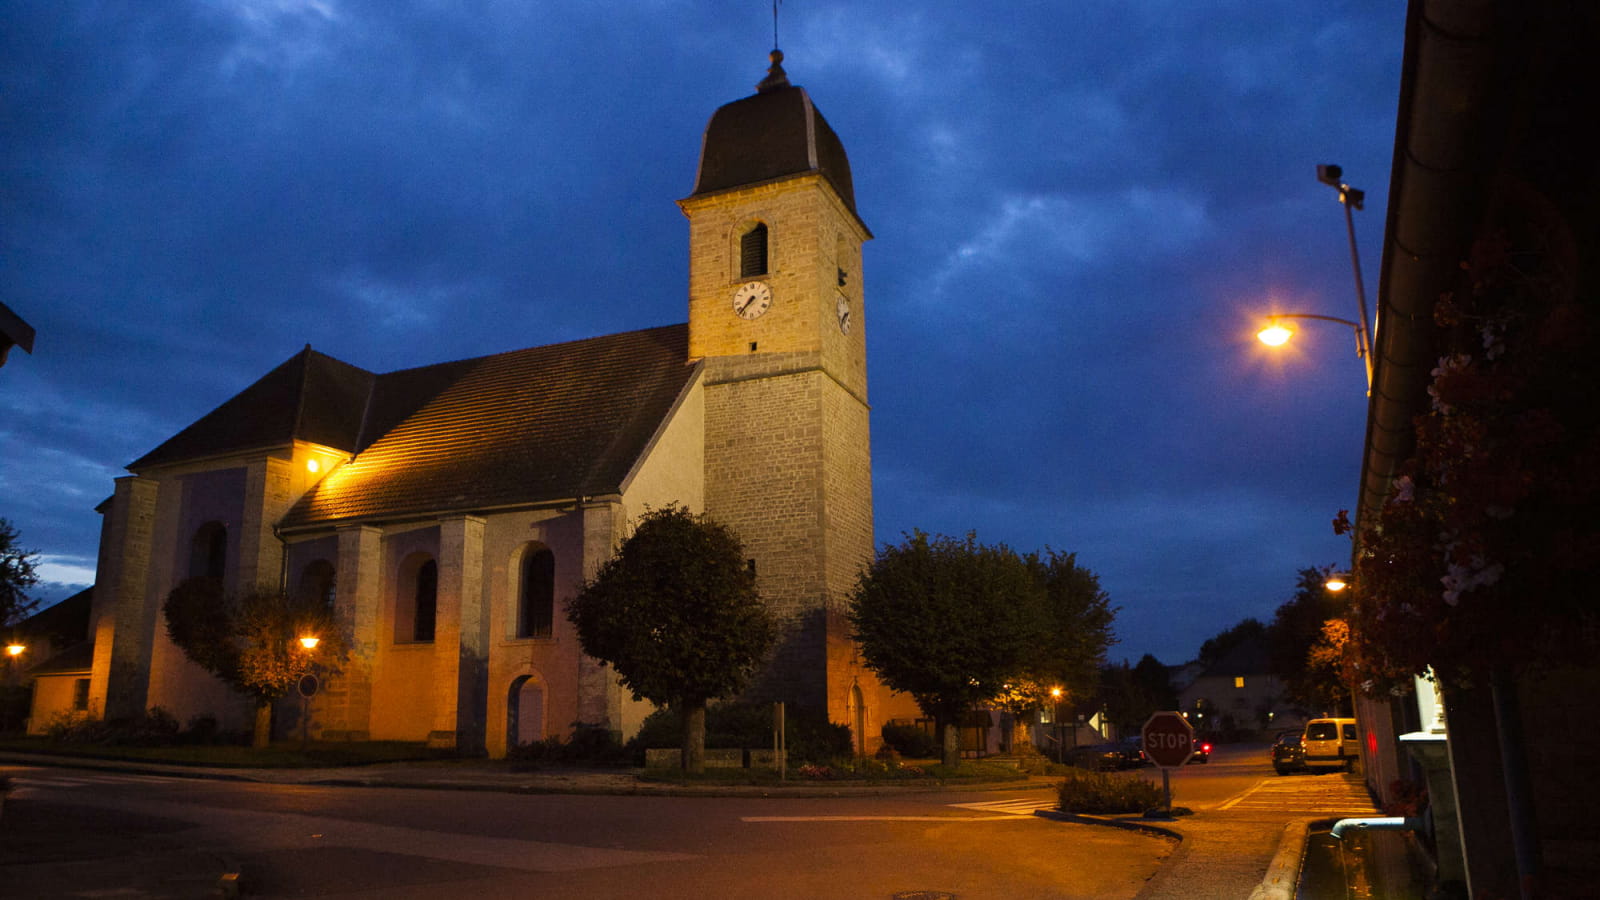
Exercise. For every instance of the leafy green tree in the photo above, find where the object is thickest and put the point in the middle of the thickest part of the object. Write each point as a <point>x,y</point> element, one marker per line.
<point>1296,628</point>
<point>949,622</point>
<point>675,611</point>
<point>1214,649</point>
<point>1131,693</point>
<point>17,575</point>
<point>252,642</point>
<point>1076,617</point>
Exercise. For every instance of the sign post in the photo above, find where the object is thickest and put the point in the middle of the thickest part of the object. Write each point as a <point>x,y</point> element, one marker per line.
<point>308,688</point>
<point>1168,741</point>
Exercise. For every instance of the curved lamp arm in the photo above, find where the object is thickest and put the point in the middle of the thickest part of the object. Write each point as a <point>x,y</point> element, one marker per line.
<point>1276,334</point>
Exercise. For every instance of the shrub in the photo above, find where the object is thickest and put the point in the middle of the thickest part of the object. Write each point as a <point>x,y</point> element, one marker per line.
<point>909,740</point>
<point>587,744</point>
<point>155,728</point>
<point>1098,792</point>
<point>809,736</point>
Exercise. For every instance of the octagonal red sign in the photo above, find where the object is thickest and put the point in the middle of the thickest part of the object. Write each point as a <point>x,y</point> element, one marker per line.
<point>1168,739</point>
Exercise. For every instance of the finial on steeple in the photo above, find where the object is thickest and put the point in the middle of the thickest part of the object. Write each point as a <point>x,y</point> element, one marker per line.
<point>776,76</point>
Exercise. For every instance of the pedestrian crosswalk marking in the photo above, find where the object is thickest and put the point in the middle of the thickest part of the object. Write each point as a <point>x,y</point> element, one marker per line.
<point>1020,807</point>
<point>1310,795</point>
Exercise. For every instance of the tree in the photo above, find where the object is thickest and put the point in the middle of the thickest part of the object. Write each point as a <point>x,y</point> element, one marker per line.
<point>949,622</point>
<point>1296,628</point>
<point>676,612</point>
<point>17,575</point>
<point>1130,694</point>
<point>252,642</point>
<point>1078,618</point>
<point>1075,632</point>
<point>1214,649</point>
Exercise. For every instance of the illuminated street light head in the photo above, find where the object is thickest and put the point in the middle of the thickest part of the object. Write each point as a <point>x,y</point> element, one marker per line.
<point>310,642</point>
<point>15,649</point>
<point>1337,583</point>
<point>1276,334</point>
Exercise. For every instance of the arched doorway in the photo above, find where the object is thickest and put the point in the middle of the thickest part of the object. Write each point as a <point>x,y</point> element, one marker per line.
<point>858,719</point>
<point>525,711</point>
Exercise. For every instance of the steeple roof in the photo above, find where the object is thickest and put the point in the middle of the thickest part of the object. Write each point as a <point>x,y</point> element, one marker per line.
<point>775,133</point>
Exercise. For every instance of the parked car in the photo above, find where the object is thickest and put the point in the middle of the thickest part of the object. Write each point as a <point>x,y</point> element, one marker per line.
<point>1331,743</point>
<point>1288,753</point>
<point>1099,757</point>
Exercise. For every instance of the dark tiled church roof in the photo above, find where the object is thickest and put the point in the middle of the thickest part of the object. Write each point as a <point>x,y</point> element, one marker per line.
<point>311,397</point>
<point>772,134</point>
<point>546,423</point>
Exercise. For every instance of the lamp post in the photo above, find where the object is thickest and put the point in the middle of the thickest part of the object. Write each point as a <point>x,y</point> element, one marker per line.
<point>307,687</point>
<point>1350,198</point>
<point>1055,722</point>
<point>1275,333</point>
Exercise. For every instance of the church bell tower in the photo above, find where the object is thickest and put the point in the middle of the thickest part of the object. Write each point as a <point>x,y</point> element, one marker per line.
<point>777,314</point>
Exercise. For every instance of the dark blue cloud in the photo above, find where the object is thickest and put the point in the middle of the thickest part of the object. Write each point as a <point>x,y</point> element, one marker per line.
<point>1080,211</point>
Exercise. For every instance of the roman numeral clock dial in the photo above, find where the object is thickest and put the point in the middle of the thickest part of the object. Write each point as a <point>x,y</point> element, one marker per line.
<point>751,299</point>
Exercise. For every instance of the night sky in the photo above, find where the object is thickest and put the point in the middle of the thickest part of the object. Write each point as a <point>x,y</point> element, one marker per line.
<point>1081,212</point>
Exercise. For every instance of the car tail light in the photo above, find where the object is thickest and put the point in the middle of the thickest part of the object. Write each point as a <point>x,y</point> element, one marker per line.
<point>1206,747</point>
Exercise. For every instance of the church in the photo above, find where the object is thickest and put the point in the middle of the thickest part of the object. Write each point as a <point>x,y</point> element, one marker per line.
<point>447,513</point>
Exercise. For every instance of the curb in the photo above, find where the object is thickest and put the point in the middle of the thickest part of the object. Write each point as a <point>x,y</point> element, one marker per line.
<point>1283,873</point>
<point>1125,824</point>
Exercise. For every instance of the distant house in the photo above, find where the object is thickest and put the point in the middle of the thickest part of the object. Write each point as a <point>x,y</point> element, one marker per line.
<point>57,659</point>
<point>1238,693</point>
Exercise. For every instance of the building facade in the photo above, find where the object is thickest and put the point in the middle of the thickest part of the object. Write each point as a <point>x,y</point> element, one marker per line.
<point>447,513</point>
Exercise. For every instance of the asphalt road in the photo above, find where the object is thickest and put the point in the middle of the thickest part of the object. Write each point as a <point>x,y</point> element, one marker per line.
<point>308,841</point>
<point>73,832</point>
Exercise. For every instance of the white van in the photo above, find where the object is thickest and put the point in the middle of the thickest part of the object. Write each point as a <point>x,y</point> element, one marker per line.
<point>1331,743</point>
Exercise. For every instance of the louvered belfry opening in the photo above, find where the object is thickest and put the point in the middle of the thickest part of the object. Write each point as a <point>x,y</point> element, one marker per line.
<point>753,252</point>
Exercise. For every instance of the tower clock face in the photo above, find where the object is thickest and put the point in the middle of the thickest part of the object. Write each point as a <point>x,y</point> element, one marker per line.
<point>751,299</point>
<point>841,308</point>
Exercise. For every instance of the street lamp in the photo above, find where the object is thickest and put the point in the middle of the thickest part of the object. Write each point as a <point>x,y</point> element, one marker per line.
<point>1276,334</point>
<point>1055,721</point>
<point>307,687</point>
<point>1336,582</point>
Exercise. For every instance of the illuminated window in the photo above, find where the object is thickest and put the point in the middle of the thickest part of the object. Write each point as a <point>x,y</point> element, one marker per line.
<point>537,593</point>
<point>753,252</point>
<point>1238,681</point>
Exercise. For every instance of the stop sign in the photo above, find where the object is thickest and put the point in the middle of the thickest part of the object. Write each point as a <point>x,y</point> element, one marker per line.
<point>1168,739</point>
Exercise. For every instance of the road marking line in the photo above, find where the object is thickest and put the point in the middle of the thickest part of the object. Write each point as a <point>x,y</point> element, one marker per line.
<point>1015,807</point>
<point>1009,818</point>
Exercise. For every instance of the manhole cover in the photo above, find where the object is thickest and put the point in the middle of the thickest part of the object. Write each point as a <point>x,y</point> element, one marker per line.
<point>924,895</point>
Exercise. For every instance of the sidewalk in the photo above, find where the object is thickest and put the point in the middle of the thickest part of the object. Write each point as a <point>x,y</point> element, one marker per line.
<point>1220,855</point>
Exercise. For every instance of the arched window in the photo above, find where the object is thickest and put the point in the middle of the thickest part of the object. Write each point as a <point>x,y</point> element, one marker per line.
<point>753,252</point>
<point>317,582</point>
<point>208,552</point>
<point>416,598</point>
<point>536,595</point>
<point>427,605</point>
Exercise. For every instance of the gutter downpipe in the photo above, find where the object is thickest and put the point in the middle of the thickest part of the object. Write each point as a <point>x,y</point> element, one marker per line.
<point>1460,68</point>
